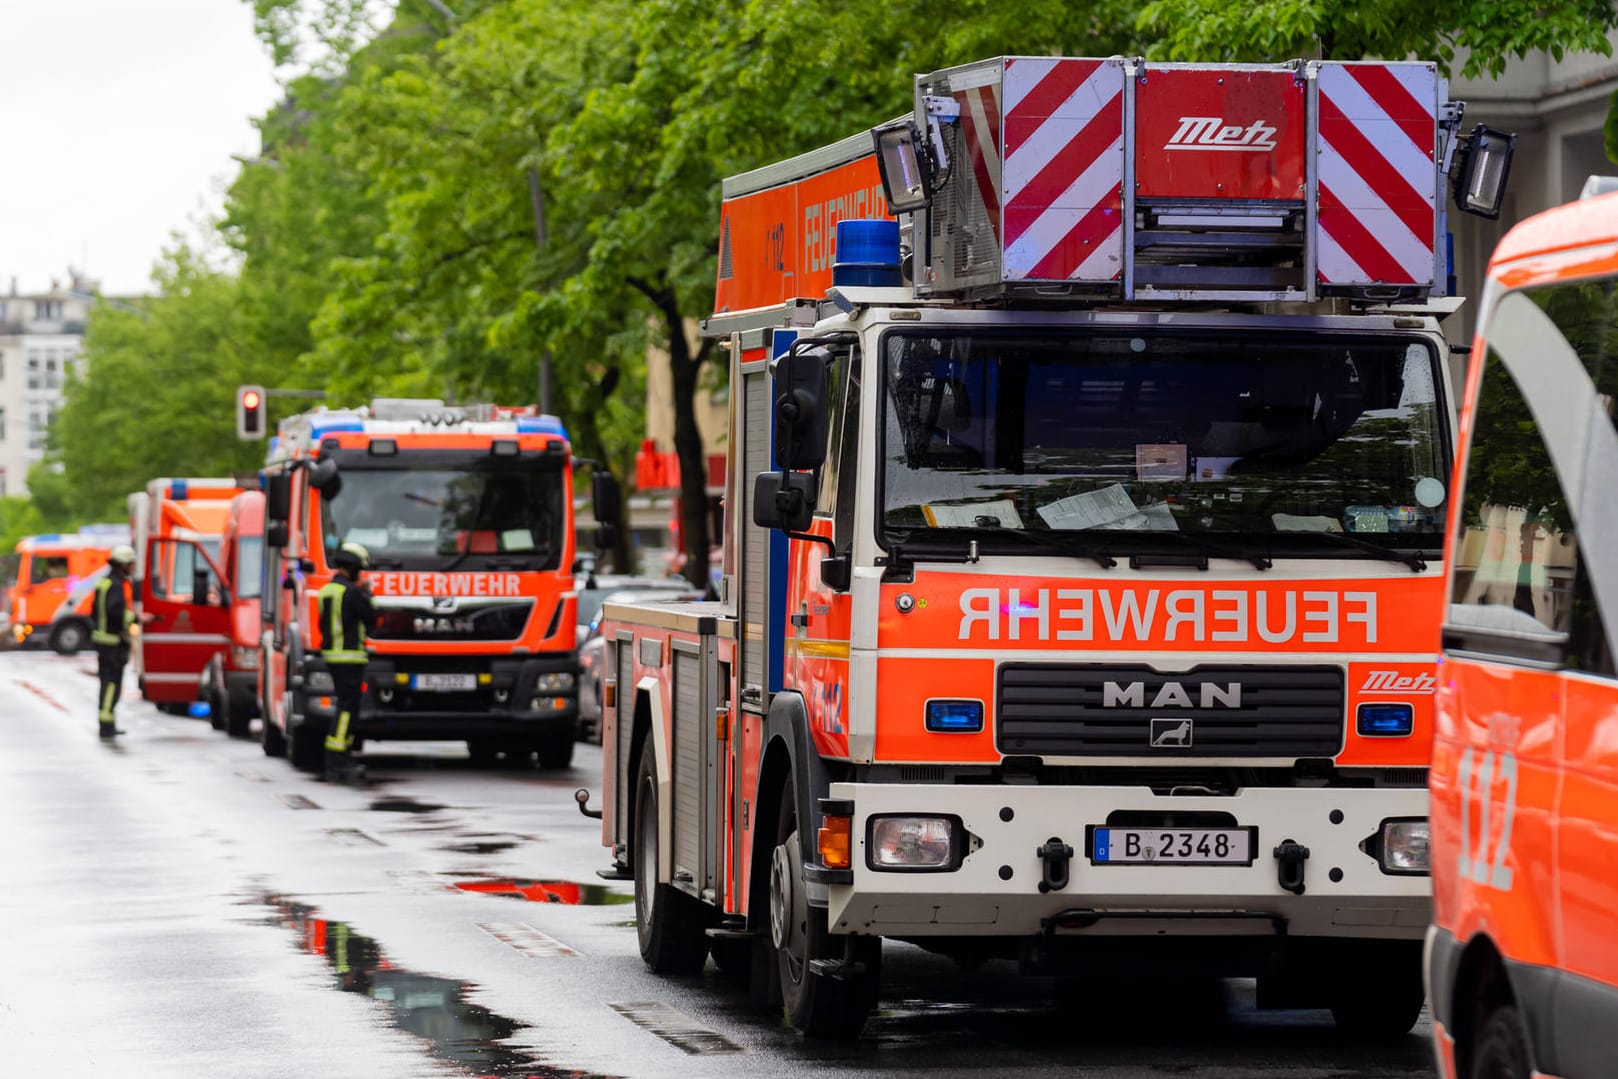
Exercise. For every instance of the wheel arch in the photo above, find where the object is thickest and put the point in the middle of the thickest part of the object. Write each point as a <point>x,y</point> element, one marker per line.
<point>789,752</point>
<point>1481,983</point>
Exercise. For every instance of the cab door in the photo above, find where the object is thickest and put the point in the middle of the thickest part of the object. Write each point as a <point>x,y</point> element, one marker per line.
<point>183,631</point>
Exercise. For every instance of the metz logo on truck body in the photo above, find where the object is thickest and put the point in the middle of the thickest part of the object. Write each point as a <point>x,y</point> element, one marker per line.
<point>1213,133</point>
<point>1396,683</point>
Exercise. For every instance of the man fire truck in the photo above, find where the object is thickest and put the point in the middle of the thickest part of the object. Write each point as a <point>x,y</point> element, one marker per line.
<point>467,515</point>
<point>1083,544</point>
<point>177,525</point>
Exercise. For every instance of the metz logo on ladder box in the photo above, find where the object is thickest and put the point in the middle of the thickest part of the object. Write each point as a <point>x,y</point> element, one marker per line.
<point>1243,141</point>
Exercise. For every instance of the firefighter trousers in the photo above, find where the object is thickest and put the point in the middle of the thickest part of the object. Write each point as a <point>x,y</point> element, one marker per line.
<point>110,662</point>
<point>348,686</point>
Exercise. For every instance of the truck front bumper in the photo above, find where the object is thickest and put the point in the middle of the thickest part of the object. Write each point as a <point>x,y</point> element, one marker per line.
<point>1001,884</point>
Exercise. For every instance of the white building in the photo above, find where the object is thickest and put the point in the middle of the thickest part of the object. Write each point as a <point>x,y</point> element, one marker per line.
<point>41,335</point>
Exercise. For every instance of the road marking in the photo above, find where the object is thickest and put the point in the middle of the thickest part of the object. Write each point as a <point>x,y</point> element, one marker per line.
<point>41,694</point>
<point>420,881</point>
<point>528,940</point>
<point>298,801</point>
<point>254,777</point>
<point>675,1027</point>
<point>353,837</point>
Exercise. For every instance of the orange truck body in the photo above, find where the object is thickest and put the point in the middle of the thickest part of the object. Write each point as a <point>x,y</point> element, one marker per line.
<point>467,516</point>
<point>48,567</point>
<point>1107,637</point>
<point>1524,945</point>
<point>178,523</point>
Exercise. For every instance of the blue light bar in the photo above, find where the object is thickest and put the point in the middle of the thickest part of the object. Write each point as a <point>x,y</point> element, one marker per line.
<point>1386,720</point>
<point>179,490</point>
<point>346,427</point>
<point>541,425</point>
<point>955,717</point>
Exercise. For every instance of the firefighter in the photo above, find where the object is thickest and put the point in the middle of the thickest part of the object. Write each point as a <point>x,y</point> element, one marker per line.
<point>113,624</point>
<point>346,614</point>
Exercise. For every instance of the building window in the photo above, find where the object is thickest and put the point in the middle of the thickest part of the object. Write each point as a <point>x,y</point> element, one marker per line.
<point>47,309</point>
<point>52,378</point>
<point>33,370</point>
<point>2,424</point>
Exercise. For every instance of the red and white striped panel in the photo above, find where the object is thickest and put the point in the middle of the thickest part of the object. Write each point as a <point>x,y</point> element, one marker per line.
<point>1064,170</point>
<point>1378,136</point>
<point>980,141</point>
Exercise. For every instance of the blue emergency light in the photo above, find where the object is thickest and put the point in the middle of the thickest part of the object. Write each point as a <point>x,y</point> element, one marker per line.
<point>1386,720</point>
<point>955,717</point>
<point>867,254</point>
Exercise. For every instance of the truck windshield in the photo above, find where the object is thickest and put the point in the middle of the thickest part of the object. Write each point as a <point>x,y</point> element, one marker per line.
<point>1275,440</point>
<point>425,517</point>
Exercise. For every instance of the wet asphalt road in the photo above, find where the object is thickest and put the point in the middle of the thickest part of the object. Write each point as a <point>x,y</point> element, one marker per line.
<point>178,904</point>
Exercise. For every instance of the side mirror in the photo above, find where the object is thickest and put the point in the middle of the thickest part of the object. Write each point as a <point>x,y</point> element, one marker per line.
<point>800,408</point>
<point>1480,179</point>
<point>607,500</point>
<point>325,478</point>
<point>275,535</point>
<point>837,572</point>
<point>784,500</point>
<point>306,565</point>
<point>278,498</point>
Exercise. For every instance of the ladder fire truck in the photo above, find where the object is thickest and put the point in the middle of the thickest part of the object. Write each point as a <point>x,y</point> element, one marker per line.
<point>1090,446</point>
<point>467,514</point>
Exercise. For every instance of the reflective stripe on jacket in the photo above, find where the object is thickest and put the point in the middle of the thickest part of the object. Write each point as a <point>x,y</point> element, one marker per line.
<point>345,612</point>
<point>111,608</point>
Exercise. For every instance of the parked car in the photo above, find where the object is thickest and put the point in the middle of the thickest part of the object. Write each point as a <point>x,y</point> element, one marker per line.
<point>592,650</point>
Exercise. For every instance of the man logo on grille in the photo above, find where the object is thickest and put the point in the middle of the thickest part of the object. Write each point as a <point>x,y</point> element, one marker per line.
<point>1171,733</point>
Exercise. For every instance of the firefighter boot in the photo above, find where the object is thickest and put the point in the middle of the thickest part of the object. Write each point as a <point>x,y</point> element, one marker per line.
<point>109,729</point>
<point>342,768</point>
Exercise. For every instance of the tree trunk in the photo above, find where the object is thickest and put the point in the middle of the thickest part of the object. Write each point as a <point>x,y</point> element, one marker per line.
<point>685,366</point>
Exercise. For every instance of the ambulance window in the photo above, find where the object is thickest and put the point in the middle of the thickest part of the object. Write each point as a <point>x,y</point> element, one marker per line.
<point>1519,580</point>
<point>47,569</point>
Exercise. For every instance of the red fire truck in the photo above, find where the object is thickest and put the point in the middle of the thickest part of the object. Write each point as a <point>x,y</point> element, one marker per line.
<point>230,680</point>
<point>467,514</point>
<point>1084,534</point>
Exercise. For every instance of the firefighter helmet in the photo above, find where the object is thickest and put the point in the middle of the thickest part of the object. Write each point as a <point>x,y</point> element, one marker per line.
<point>122,555</point>
<point>351,556</point>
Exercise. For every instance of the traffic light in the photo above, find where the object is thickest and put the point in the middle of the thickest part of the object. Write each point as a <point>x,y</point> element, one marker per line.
<point>250,406</point>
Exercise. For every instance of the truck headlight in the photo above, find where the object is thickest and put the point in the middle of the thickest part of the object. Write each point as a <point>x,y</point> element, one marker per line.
<point>916,843</point>
<point>554,682</point>
<point>1405,846</point>
<point>245,659</point>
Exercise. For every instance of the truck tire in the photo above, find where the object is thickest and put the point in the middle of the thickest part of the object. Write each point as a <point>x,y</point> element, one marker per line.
<point>272,740</point>
<point>306,747</point>
<point>818,1005</point>
<point>70,637</point>
<point>1378,996</point>
<point>555,752</point>
<point>1502,1050</point>
<point>238,718</point>
<point>671,927</point>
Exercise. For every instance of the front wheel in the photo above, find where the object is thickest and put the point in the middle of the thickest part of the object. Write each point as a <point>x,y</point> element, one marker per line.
<point>272,740</point>
<point>238,719</point>
<point>1379,996</point>
<point>1502,1051</point>
<point>671,927</point>
<point>817,1004</point>
<point>69,638</point>
<point>306,746</point>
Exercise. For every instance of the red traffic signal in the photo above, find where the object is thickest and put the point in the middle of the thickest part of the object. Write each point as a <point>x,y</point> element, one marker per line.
<point>250,406</point>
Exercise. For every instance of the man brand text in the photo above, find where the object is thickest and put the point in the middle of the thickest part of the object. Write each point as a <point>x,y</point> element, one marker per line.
<point>447,584</point>
<point>1171,695</point>
<point>1145,616</point>
<point>1212,133</point>
<point>1394,682</point>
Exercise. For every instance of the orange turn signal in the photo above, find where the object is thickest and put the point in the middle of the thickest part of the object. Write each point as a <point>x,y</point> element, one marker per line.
<point>609,693</point>
<point>833,843</point>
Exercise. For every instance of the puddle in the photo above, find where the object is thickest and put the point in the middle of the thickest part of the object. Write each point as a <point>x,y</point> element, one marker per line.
<point>493,846</point>
<point>404,805</point>
<point>434,1009</point>
<point>548,891</point>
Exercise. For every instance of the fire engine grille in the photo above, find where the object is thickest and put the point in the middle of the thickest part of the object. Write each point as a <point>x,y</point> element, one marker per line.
<point>1048,709</point>
<point>491,622</point>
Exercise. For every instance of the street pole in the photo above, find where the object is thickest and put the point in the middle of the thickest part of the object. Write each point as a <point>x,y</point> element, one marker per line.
<point>536,195</point>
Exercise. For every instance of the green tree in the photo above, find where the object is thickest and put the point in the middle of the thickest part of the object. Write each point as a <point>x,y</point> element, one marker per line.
<point>1489,32</point>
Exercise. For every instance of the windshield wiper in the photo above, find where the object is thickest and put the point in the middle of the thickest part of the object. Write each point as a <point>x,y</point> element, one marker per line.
<point>1207,546</point>
<point>1349,539</point>
<point>1044,541</point>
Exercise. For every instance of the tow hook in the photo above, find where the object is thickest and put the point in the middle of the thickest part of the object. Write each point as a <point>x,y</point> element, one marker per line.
<point>1289,872</point>
<point>1053,859</point>
<point>582,796</point>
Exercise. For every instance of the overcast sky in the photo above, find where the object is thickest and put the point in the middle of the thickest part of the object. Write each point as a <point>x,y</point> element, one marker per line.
<point>118,122</point>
